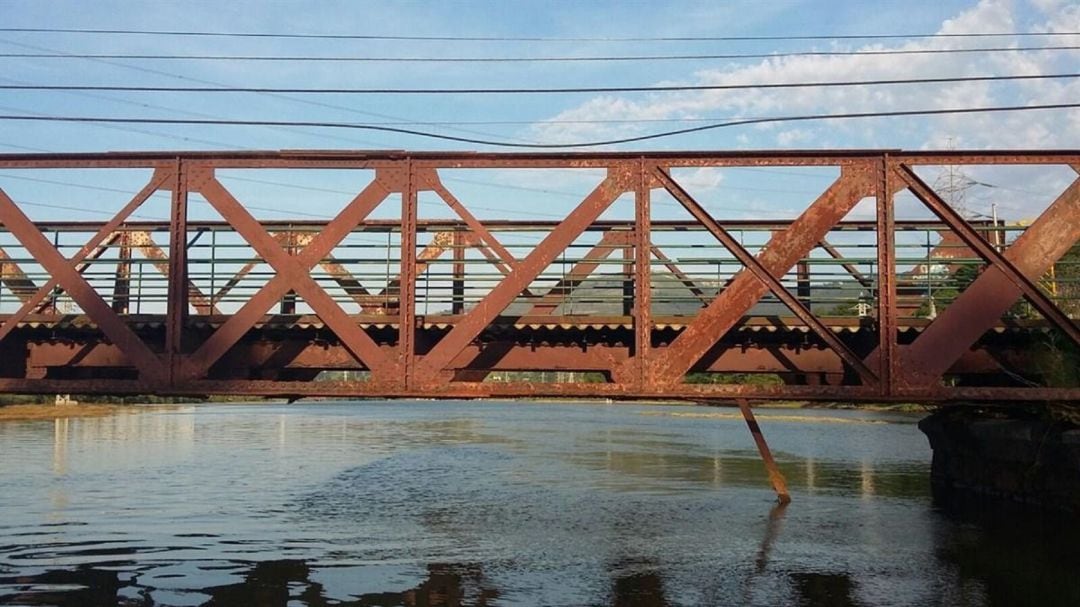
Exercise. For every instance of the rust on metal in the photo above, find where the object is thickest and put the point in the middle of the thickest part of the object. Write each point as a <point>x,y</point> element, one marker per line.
<point>776,478</point>
<point>457,308</point>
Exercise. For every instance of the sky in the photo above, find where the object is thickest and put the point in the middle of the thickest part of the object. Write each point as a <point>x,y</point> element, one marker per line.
<point>548,118</point>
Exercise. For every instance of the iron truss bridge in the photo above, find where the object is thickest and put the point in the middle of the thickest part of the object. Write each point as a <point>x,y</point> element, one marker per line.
<point>837,275</point>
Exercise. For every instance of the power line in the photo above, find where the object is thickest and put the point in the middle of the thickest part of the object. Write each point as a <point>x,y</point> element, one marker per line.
<point>531,91</point>
<point>437,38</point>
<point>561,59</point>
<point>299,100</point>
<point>580,144</point>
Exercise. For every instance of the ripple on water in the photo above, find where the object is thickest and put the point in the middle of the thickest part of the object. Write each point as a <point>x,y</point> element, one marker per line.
<point>493,504</point>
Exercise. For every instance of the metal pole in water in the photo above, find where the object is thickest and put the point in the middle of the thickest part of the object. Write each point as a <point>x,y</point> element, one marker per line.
<point>775,476</point>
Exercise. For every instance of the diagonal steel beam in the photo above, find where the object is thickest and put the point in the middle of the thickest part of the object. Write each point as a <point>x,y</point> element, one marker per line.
<point>784,249</point>
<point>764,276</point>
<point>677,272</point>
<point>430,366</point>
<point>144,242</point>
<point>992,293</point>
<point>432,251</point>
<point>430,179</point>
<point>984,249</point>
<point>231,284</point>
<point>292,274</point>
<point>342,276</point>
<point>848,267</point>
<point>138,353</point>
<point>106,232</point>
<point>776,478</point>
<point>83,266</point>
<point>352,286</point>
<point>503,259</point>
<point>581,271</point>
<point>15,279</point>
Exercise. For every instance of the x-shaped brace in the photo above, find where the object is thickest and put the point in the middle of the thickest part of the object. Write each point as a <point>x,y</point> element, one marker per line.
<point>64,273</point>
<point>1009,275</point>
<point>292,274</point>
<point>783,251</point>
<point>766,277</point>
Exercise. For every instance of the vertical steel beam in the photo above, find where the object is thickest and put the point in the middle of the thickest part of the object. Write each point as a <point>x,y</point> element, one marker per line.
<point>802,282</point>
<point>457,305</point>
<point>627,298</point>
<point>121,302</point>
<point>776,478</point>
<point>642,287</point>
<point>288,301</point>
<point>885,229</point>
<point>177,302</point>
<point>408,273</point>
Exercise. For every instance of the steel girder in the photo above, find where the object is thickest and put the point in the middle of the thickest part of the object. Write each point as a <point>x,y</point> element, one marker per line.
<point>404,356</point>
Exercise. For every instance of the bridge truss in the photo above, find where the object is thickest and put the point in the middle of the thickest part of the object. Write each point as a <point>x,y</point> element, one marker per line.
<point>411,290</point>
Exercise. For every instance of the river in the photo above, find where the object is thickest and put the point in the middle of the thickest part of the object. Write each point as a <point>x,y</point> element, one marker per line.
<point>484,503</point>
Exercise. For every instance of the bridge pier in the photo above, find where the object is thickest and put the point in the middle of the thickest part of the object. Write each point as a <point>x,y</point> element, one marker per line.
<point>1004,456</point>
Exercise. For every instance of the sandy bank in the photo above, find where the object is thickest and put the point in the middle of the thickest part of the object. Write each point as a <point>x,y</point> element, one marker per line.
<point>31,412</point>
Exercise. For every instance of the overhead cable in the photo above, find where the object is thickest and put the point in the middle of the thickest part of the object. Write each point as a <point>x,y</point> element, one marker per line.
<point>458,38</point>
<point>511,144</point>
<point>520,59</point>
<point>530,91</point>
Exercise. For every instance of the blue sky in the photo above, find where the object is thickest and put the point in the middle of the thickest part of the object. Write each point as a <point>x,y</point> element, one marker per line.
<point>559,119</point>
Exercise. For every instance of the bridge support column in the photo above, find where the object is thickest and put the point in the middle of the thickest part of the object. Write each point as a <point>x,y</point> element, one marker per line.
<point>775,476</point>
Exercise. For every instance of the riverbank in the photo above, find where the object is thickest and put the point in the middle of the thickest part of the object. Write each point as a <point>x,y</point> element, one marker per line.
<point>1031,460</point>
<point>35,412</point>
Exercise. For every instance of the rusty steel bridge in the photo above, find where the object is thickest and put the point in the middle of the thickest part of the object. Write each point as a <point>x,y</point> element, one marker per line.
<point>602,296</point>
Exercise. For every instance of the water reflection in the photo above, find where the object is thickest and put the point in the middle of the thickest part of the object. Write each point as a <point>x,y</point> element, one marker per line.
<point>824,589</point>
<point>289,582</point>
<point>266,584</point>
<point>638,589</point>
<point>740,468</point>
<point>1010,555</point>
<point>489,504</point>
<point>275,583</point>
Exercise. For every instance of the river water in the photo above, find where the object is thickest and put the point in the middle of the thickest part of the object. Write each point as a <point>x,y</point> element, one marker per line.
<point>468,503</point>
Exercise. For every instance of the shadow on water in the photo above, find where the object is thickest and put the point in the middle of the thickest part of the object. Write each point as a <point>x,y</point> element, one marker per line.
<point>1016,555</point>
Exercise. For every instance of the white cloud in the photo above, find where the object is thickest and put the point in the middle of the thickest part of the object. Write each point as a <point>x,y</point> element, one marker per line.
<point>1027,129</point>
<point>702,179</point>
<point>792,137</point>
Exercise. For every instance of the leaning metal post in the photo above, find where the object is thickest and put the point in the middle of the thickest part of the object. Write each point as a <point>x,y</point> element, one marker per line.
<point>775,476</point>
